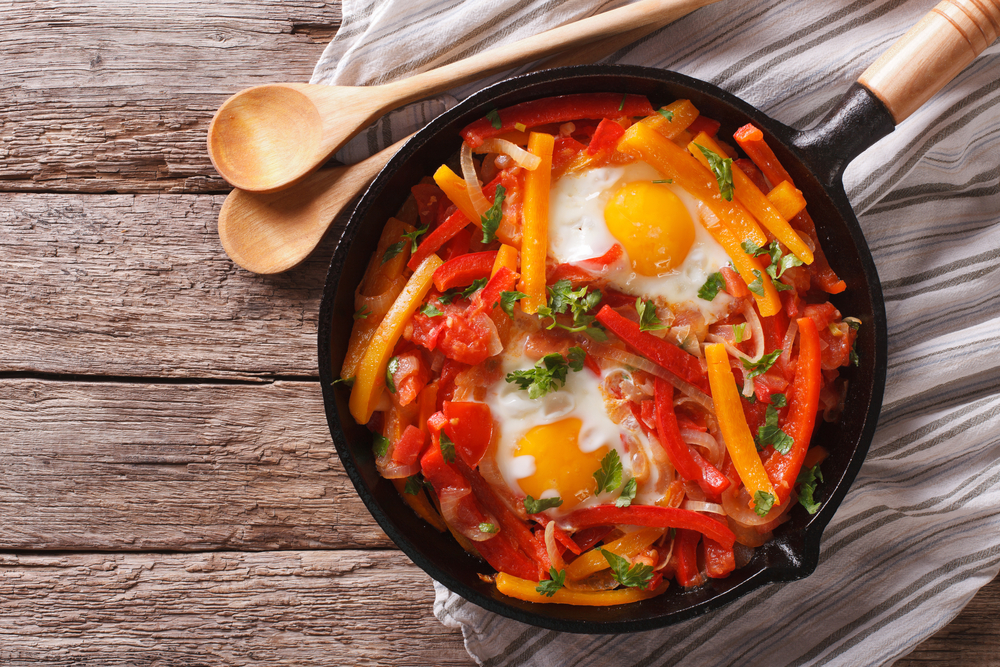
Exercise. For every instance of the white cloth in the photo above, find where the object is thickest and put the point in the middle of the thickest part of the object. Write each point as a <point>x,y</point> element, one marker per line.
<point>919,532</point>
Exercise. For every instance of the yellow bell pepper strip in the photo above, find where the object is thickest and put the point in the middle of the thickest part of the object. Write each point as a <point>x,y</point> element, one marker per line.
<point>506,256</point>
<point>418,503</point>
<point>787,199</point>
<point>673,119</point>
<point>534,234</point>
<point>749,268</point>
<point>627,546</point>
<point>370,376</point>
<point>454,189</point>
<point>678,165</point>
<point>733,423</point>
<point>379,277</point>
<point>523,589</point>
<point>755,201</point>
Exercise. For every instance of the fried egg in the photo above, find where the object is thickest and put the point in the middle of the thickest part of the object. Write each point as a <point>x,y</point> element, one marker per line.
<point>667,251</point>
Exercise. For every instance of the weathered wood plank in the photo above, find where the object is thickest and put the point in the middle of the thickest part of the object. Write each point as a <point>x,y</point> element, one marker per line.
<point>138,285</point>
<point>226,608</point>
<point>110,96</point>
<point>128,467</point>
<point>971,640</point>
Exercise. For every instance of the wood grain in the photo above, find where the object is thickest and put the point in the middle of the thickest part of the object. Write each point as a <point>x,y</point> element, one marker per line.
<point>225,608</point>
<point>138,285</point>
<point>132,467</point>
<point>129,88</point>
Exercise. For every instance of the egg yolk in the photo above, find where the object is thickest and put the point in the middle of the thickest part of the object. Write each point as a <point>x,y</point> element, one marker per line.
<point>559,463</point>
<point>652,224</point>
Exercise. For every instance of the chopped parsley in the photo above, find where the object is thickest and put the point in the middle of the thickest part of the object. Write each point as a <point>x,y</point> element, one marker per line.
<point>648,321</point>
<point>636,576</point>
<point>532,506</point>
<point>452,294</point>
<point>779,400</point>
<point>628,493</point>
<point>550,586</point>
<point>393,250</point>
<point>665,180</point>
<point>491,219</point>
<point>362,313</point>
<point>507,300</point>
<point>413,485</point>
<point>723,170</point>
<point>621,105</point>
<point>739,331</point>
<point>489,528</point>
<point>609,477</point>
<point>549,374</point>
<point>669,115</point>
<point>381,445</point>
<point>494,118</point>
<point>711,287</point>
<point>447,447</point>
<point>390,370</point>
<point>563,298</point>
<point>762,503</point>
<point>779,261</point>
<point>430,310</point>
<point>771,434</point>
<point>347,382</point>
<point>756,368</point>
<point>414,235</point>
<point>757,286</point>
<point>808,478</point>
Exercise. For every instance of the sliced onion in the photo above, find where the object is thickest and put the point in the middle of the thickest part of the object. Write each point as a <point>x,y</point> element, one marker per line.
<point>786,352</point>
<point>522,157</point>
<point>555,557</point>
<point>472,184</point>
<point>716,450</point>
<point>437,360</point>
<point>699,506</point>
<point>748,536</point>
<point>758,332</point>
<point>603,580</point>
<point>737,505</point>
<point>619,355</point>
<point>637,457</point>
<point>392,470</point>
<point>380,304</point>
<point>456,514</point>
<point>494,346</point>
<point>664,559</point>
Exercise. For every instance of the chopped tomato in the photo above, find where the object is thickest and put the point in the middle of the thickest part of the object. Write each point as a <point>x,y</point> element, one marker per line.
<point>466,340</point>
<point>470,427</point>
<point>411,375</point>
<point>409,447</point>
<point>605,137</point>
<point>428,197</point>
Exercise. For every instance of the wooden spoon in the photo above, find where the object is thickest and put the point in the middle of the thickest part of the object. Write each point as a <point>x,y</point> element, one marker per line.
<point>271,233</point>
<point>267,138</point>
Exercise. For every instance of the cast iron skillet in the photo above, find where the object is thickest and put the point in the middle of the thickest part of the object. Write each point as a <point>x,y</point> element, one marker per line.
<point>816,161</point>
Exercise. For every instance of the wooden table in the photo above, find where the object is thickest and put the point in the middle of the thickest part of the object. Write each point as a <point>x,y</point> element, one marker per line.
<point>168,489</point>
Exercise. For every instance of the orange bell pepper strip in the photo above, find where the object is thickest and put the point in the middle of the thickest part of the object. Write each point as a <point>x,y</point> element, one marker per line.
<point>755,201</point>
<point>506,256</point>
<point>751,140</point>
<point>677,164</point>
<point>370,378</point>
<point>627,546</point>
<point>749,268</point>
<point>787,199</point>
<point>523,589</point>
<point>534,233</point>
<point>803,402</point>
<point>418,503</point>
<point>680,113</point>
<point>733,424</point>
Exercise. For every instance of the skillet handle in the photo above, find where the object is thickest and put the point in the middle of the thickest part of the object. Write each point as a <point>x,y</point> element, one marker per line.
<point>931,54</point>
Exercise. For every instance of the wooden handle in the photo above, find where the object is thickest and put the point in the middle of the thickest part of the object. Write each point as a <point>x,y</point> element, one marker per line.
<point>584,31</point>
<point>932,53</point>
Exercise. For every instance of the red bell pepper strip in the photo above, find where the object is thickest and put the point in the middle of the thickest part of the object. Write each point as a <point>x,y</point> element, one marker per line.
<point>502,554</point>
<point>706,125</point>
<point>651,516</point>
<point>560,534</point>
<point>592,364</point>
<point>563,153</point>
<point>409,447</point>
<point>588,537</point>
<point>470,427</point>
<point>686,460</point>
<point>751,140</point>
<point>803,402</point>
<point>605,137</point>
<point>585,270</point>
<point>686,558</point>
<point>437,471</point>
<point>719,560</point>
<point>735,285</point>
<point>664,354</point>
<point>752,172</point>
<point>452,225</point>
<point>501,281</point>
<point>557,110</point>
<point>458,245</point>
<point>464,269</point>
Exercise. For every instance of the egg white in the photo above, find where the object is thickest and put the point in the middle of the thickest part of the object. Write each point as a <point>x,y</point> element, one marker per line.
<point>577,231</point>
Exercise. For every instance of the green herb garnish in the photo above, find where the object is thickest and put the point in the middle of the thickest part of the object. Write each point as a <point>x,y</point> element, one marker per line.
<point>563,298</point>
<point>628,493</point>
<point>648,321</point>
<point>549,373</point>
<point>507,300</point>
<point>771,434</point>
<point>669,115</point>
<point>609,477</point>
<point>779,400</point>
<point>723,170</point>
<point>488,528</point>
<point>755,368</point>
<point>762,503</point>
<point>739,331</point>
<point>361,313</point>
<point>807,481</point>
<point>711,287</point>
<point>491,219</point>
<point>636,576</point>
<point>380,445</point>
<point>757,286</point>
<point>390,370</point>
<point>532,506</point>
<point>430,310</point>
<point>447,447</point>
<point>550,586</point>
<point>414,235</point>
<point>494,118</point>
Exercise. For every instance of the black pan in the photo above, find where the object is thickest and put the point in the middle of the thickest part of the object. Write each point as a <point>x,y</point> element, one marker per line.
<point>816,161</point>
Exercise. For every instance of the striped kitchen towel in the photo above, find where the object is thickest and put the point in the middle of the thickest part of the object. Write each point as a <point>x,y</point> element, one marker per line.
<point>919,532</point>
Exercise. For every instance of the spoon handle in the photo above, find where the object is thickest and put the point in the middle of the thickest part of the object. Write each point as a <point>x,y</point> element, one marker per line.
<point>931,54</point>
<point>584,31</point>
